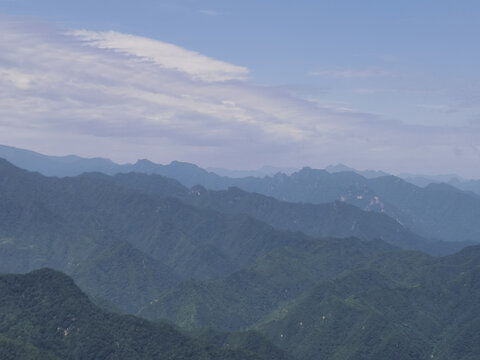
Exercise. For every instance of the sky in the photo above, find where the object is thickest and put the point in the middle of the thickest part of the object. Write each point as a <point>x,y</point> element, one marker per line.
<point>382,85</point>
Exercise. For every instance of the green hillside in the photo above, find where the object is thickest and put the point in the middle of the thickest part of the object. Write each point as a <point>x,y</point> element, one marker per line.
<point>124,275</point>
<point>11,349</point>
<point>401,306</point>
<point>436,211</point>
<point>226,260</point>
<point>338,219</point>
<point>117,241</point>
<point>43,315</point>
<point>241,299</point>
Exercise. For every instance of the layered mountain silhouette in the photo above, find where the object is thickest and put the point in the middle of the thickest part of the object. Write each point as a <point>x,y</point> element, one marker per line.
<point>87,226</point>
<point>303,266</point>
<point>155,232</point>
<point>394,305</point>
<point>338,218</point>
<point>437,211</point>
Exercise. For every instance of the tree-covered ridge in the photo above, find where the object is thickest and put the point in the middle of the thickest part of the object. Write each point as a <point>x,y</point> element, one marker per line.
<point>92,211</point>
<point>436,211</point>
<point>243,298</point>
<point>124,275</point>
<point>208,258</point>
<point>401,306</point>
<point>81,224</point>
<point>11,349</point>
<point>45,316</point>
<point>338,219</point>
<point>123,240</point>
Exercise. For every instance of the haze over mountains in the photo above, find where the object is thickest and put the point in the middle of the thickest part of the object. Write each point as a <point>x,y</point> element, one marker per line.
<point>72,165</point>
<point>297,180</point>
<point>422,210</point>
<point>371,265</point>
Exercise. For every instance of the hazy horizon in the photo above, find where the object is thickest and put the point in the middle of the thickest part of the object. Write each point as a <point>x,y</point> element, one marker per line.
<point>269,170</point>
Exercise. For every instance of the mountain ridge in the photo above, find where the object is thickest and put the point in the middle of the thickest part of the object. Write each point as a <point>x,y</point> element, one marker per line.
<point>46,309</point>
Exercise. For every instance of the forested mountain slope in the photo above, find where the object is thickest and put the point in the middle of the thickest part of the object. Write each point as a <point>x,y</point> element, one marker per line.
<point>441,212</point>
<point>337,219</point>
<point>45,316</point>
<point>402,306</point>
<point>80,224</point>
<point>241,299</point>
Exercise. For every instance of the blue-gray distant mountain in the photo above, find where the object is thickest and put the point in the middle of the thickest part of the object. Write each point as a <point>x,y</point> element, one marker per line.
<point>451,179</point>
<point>70,165</point>
<point>437,211</point>
<point>130,237</point>
<point>230,259</point>
<point>262,172</point>
<point>419,180</point>
<point>337,219</point>
<point>120,243</point>
<point>424,180</point>
<point>467,185</point>
<point>369,174</point>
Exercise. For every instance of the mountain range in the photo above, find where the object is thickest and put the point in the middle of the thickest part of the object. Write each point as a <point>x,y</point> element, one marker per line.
<point>400,306</point>
<point>438,211</point>
<point>121,235</point>
<point>80,224</point>
<point>312,265</point>
<point>72,165</point>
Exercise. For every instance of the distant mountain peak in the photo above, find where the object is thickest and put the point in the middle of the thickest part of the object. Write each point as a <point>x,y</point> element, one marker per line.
<point>144,162</point>
<point>442,187</point>
<point>338,168</point>
<point>307,171</point>
<point>369,174</point>
<point>176,163</point>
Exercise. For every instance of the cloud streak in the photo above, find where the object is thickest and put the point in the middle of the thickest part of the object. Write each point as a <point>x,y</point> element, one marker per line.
<point>209,12</point>
<point>351,73</point>
<point>166,55</point>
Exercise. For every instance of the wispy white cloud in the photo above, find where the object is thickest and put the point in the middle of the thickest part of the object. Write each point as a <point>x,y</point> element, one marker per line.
<point>164,54</point>
<point>128,97</point>
<point>209,12</point>
<point>116,85</point>
<point>351,73</point>
<point>445,109</point>
<point>373,90</point>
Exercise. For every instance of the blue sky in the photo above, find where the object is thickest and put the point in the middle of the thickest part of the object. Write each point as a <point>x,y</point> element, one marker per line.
<point>241,84</point>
